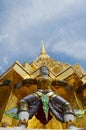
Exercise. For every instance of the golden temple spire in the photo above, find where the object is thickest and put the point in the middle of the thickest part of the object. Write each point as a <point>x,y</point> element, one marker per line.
<point>43,51</point>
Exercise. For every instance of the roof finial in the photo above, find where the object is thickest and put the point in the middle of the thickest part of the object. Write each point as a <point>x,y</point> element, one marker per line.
<point>43,48</point>
<point>43,53</point>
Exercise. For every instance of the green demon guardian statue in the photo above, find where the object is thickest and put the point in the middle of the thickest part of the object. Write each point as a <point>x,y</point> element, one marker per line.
<point>45,101</point>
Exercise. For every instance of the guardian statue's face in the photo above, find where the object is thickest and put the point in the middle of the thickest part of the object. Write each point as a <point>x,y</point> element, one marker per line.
<point>44,71</point>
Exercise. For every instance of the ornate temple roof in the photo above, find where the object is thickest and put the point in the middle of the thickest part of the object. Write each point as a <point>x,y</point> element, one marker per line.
<point>57,69</point>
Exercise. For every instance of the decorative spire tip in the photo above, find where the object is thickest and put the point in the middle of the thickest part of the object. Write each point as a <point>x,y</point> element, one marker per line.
<point>43,47</point>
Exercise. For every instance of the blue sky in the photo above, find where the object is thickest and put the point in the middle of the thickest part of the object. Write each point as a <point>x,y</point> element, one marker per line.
<point>61,23</point>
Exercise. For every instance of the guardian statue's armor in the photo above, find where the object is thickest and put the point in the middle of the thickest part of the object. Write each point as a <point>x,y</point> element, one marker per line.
<point>44,101</point>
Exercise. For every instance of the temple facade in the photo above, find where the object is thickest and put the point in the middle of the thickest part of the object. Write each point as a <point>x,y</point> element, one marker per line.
<point>75,76</point>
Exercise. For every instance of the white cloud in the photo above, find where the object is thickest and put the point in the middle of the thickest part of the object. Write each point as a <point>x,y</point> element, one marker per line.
<point>3,37</point>
<point>5,60</point>
<point>65,40</point>
<point>42,11</point>
<point>75,49</point>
